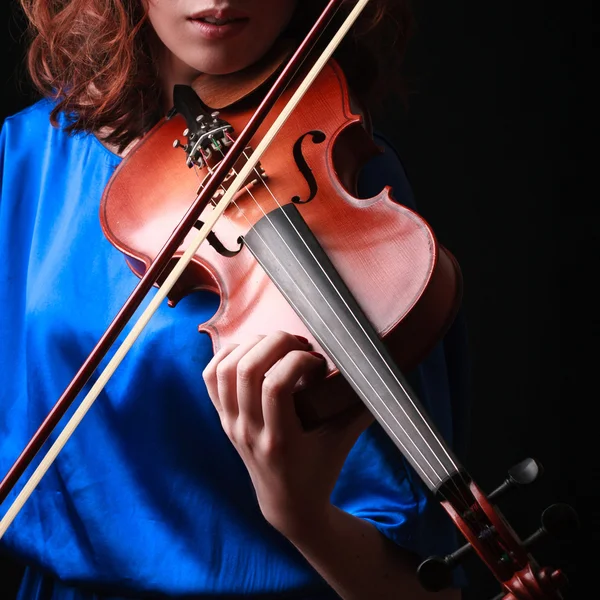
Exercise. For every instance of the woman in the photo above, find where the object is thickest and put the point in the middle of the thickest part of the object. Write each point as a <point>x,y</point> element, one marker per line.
<point>158,493</point>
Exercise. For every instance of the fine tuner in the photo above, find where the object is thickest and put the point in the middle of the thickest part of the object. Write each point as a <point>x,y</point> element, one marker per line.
<point>208,139</point>
<point>205,132</point>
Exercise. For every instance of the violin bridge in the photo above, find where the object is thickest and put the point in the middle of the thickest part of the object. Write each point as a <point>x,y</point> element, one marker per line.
<point>257,176</point>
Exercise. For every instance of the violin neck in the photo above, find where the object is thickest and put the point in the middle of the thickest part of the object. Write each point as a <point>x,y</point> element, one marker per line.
<point>293,259</point>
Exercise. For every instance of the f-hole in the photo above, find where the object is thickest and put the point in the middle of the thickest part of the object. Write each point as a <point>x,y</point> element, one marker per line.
<point>318,137</point>
<point>216,243</point>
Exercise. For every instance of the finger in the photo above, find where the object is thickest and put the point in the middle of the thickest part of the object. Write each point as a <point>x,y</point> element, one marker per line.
<point>257,364</point>
<point>226,376</point>
<point>209,374</point>
<point>279,412</point>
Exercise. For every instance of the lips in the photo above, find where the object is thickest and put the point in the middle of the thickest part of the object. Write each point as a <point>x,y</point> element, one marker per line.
<point>219,24</point>
<point>223,15</point>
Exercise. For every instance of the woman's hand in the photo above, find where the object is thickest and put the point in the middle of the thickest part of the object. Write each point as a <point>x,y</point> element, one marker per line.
<point>293,471</point>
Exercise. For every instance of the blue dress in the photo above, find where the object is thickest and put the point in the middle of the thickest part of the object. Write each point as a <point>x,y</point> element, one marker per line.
<point>149,497</point>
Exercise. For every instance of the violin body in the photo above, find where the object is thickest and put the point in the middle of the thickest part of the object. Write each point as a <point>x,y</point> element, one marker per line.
<point>408,286</point>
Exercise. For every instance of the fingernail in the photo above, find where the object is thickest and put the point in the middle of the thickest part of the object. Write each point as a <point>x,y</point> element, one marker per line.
<point>317,354</point>
<point>302,339</point>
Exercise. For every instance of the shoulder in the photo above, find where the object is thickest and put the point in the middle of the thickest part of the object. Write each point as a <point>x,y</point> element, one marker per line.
<point>39,111</point>
<point>40,161</point>
<point>386,169</point>
<point>30,134</point>
<point>27,123</point>
<point>33,151</point>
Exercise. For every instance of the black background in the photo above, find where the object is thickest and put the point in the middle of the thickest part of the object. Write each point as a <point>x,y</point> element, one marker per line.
<point>497,143</point>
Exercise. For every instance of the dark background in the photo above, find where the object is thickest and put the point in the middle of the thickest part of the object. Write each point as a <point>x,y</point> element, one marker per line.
<point>496,143</point>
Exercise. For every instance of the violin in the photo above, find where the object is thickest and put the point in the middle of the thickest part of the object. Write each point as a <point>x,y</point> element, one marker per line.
<point>365,280</point>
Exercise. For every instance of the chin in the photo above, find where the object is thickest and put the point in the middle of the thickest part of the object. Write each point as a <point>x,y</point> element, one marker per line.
<point>225,60</point>
<point>224,66</point>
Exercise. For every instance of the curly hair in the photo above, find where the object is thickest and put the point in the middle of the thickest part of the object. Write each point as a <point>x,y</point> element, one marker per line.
<point>97,59</point>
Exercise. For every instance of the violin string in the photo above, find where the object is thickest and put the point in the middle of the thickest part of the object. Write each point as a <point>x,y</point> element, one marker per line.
<point>407,394</point>
<point>341,297</point>
<point>356,319</point>
<point>339,294</point>
<point>353,315</point>
<point>323,343</point>
<point>319,291</point>
<point>341,346</point>
<point>264,183</point>
<point>358,346</point>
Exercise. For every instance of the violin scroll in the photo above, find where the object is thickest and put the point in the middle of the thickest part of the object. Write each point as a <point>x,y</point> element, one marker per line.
<point>491,538</point>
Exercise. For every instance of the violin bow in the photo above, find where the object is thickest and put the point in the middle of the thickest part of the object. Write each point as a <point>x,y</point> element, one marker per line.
<point>165,255</point>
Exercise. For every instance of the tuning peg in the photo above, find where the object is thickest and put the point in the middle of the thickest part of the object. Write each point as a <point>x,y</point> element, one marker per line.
<point>214,115</point>
<point>178,144</point>
<point>435,573</point>
<point>559,521</point>
<point>523,473</point>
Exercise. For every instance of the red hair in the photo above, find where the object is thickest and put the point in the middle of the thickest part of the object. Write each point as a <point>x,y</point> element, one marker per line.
<point>97,59</point>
